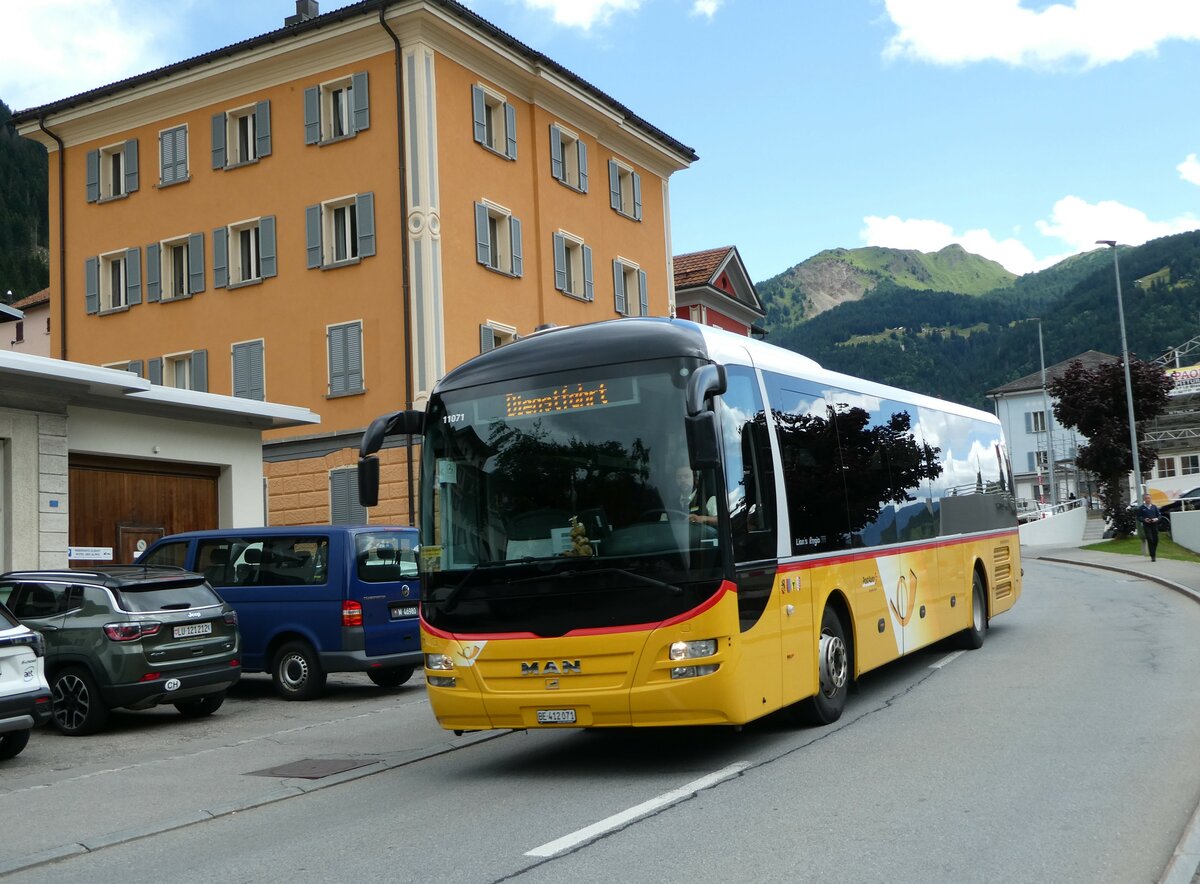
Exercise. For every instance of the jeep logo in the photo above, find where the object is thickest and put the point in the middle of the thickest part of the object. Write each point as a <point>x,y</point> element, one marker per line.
<point>552,668</point>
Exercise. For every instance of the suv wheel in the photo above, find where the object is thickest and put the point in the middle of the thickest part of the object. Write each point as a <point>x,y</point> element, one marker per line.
<point>296,672</point>
<point>78,709</point>
<point>199,707</point>
<point>392,677</point>
<point>12,743</point>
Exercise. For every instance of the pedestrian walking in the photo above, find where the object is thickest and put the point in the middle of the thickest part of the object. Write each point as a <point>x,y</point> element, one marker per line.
<point>1149,516</point>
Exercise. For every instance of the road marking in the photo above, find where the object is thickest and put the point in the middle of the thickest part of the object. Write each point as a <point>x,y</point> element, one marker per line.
<point>949,658</point>
<point>646,808</point>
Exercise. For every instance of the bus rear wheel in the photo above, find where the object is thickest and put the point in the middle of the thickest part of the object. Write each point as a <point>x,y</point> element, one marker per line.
<point>971,638</point>
<point>833,658</point>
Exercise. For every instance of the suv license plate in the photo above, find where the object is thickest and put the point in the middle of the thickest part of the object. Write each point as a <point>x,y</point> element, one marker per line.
<point>192,629</point>
<point>556,716</point>
<point>404,611</point>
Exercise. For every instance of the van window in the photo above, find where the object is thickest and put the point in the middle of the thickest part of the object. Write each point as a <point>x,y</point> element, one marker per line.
<point>168,554</point>
<point>269,561</point>
<point>385,556</point>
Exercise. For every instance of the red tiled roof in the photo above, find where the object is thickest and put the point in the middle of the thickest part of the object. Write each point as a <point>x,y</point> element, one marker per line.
<point>698,268</point>
<point>34,300</point>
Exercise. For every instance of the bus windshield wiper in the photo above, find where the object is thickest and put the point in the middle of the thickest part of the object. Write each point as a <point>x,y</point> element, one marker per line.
<point>633,575</point>
<point>452,595</point>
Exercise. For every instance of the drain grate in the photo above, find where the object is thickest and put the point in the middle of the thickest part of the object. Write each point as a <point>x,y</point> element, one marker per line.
<point>310,768</point>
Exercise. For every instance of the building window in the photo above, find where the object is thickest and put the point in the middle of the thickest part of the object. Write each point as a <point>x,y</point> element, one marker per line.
<point>336,110</point>
<point>244,252</point>
<point>344,508</point>
<point>183,371</point>
<point>248,370</point>
<point>625,190</point>
<point>1035,422</point>
<point>1190,464</point>
<point>241,136</point>
<point>568,159</point>
<point>112,171</point>
<point>175,268</point>
<point>573,266</point>
<point>495,334</point>
<point>345,359</point>
<point>1040,461</point>
<point>172,155</point>
<point>498,239</point>
<point>629,289</point>
<point>113,281</point>
<point>1165,467</point>
<point>19,333</point>
<point>495,121</point>
<point>340,231</point>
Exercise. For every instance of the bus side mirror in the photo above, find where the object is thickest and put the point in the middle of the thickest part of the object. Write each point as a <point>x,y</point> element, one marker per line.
<point>368,480</point>
<point>703,448</point>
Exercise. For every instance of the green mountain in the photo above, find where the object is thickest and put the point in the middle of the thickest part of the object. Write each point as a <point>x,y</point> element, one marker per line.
<point>958,346</point>
<point>24,213</point>
<point>839,276</point>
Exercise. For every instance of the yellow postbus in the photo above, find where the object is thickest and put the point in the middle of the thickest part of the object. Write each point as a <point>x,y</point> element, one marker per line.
<point>648,522</point>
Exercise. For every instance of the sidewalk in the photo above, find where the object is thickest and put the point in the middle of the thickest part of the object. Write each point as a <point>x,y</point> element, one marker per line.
<point>1182,577</point>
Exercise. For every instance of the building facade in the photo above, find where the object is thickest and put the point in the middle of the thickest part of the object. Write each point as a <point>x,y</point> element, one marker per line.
<point>335,213</point>
<point>713,288</point>
<point>30,332</point>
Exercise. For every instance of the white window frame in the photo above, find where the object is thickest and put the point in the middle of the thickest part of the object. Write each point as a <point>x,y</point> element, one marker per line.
<point>113,273</point>
<point>112,171</point>
<point>495,121</point>
<point>1164,467</point>
<point>339,230</point>
<point>499,237</point>
<point>337,95</point>
<point>171,287</point>
<point>175,366</point>
<point>575,276</point>
<point>235,120</point>
<point>1189,464</point>
<point>1037,422</point>
<point>502,333</point>
<point>569,148</point>
<point>629,273</point>
<point>1041,463</point>
<point>625,173</point>
<point>238,257</point>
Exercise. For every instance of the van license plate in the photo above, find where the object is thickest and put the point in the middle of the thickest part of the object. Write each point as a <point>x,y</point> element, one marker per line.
<point>556,716</point>
<point>193,629</point>
<point>404,611</point>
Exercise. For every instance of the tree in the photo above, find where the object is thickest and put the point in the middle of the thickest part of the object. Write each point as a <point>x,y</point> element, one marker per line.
<point>1093,402</point>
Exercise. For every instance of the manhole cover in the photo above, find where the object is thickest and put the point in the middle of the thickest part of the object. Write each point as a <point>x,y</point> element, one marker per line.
<point>310,768</point>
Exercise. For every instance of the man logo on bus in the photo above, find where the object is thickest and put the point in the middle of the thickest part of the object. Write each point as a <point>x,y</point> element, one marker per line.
<point>907,600</point>
<point>552,668</point>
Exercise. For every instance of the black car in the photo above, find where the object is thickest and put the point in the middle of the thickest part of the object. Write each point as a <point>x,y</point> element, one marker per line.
<point>127,636</point>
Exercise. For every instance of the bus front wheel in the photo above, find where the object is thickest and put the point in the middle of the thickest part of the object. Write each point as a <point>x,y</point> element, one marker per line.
<point>833,659</point>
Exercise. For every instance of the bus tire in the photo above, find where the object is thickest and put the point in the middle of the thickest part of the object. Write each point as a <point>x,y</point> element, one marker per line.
<point>971,638</point>
<point>833,660</point>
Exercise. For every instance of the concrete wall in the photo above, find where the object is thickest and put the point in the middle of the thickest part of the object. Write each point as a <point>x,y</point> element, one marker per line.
<point>33,489</point>
<point>1185,529</point>
<point>1062,529</point>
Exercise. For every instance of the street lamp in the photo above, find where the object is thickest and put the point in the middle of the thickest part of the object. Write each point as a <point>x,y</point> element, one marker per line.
<point>1137,467</point>
<point>1048,417</point>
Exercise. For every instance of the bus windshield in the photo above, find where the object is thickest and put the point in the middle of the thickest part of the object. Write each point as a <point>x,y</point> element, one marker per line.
<point>566,501</point>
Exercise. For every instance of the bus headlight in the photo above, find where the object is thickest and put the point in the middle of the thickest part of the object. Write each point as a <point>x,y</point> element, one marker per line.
<point>688,650</point>
<point>441,681</point>
<point>693,671</point>
<point>439,661</point>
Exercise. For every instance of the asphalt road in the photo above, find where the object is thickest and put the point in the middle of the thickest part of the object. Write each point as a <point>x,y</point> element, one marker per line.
<point>1062,751</point>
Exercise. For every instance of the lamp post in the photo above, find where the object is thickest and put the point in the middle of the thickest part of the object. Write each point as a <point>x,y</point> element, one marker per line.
<point>1137,468</point>
<point>1048,418</point>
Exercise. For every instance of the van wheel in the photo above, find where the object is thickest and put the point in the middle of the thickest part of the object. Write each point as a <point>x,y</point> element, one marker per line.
<point>834,666</point>
<point>78,709</point>
<point>297,673</point>
<point>13,742</point>
<point>199,707</point>
<point>392,677</point>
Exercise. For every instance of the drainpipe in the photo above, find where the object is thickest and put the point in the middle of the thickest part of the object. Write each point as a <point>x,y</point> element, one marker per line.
<point>406,294</point>
<point>62,241</point>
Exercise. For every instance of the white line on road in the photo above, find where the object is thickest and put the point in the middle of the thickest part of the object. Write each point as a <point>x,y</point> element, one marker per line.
<point>949,658</point>
<point>644,809</point>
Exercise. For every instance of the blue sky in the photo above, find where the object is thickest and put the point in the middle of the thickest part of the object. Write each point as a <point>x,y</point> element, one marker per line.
<point>1024,130</point>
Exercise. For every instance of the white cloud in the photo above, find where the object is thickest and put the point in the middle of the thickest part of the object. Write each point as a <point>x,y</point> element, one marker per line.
<point>1189,169</point>
<point>57,48</point>
<point>930,236</point>
<point>583,13</point>
<point>1088,32</point>
<point>706,8</point>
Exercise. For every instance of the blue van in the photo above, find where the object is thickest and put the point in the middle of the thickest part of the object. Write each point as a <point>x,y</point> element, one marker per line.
<point>312,599</point>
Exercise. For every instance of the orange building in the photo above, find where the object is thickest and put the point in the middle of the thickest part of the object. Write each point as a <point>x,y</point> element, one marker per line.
<point>335,213</point>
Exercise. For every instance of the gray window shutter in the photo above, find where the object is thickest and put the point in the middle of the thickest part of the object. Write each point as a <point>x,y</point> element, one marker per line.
<point>133,276</point>
<point>362,101</point>
<point>196,263</point>
<point>248,370</point>
<point>258,387</point>
<point>220,258</point>
<point>266,246</point>
<point>354,378</point>
<point>582,148</point>
<point>487,339</point>
<point>154,370</point>
<point>166,156</point>
<point>179,140</point>
<point>93,175</point>
<point>135,367</point>
<point>1032,462</point>
<point>153,272</point>
<point>483,243</point>
<point>200,371</point>
<point>643,298</point>
<point>312,233</point>
<point>510,129</point>
<point>312,115</point>
<point>478,111</point>
<point>560,262</point>
<point>218,141</point>
<point>1029,422</point>
<point>364,208</point>
<point>91,284</point>
<point>131,165</point>
<point>337,359</point>
<point>637,196</point>
<point>589,290</point>
<point>262,129</point>
<point>619,287</point>
<point>344,508</point>
<point>556,157</point>
<point>614,185</point>
<point>514,231</point>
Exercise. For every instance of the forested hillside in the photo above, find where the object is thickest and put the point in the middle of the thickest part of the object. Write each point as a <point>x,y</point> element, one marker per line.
<point>24,213</point>
<point>957,346</point>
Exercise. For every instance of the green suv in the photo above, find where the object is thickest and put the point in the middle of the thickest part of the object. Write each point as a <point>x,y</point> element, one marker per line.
<point>127,636</point>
